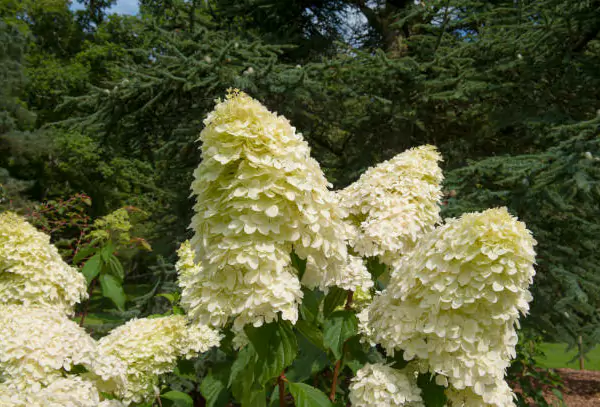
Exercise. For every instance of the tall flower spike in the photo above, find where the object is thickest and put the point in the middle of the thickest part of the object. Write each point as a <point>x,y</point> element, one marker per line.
<point>31,270</point>
<point>38,344</point>
<point>455,300</point>
<point>383,386</point>
<point>150,347</point>
<point>395,203</point>
<point>259,195</point>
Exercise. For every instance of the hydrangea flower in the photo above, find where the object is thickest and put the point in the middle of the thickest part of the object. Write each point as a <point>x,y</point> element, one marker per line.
<point>38,345</point>
<point>71,391</point>
<point>32,271</point>
<point>383,386</point>
<point>499,395</point>
<point>394,203</point>
<point>353,277</point>
<point>456,298</point>
<point>259,195</point>
<point>150,347</point>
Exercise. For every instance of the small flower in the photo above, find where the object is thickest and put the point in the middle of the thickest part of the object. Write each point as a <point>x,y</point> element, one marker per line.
<point>383,386</point>
<point>32,271</point>
<point>150,347</point>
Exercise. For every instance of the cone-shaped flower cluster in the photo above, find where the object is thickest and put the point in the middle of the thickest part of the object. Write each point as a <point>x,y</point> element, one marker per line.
<point>393,204</point>
<point>259,195</point>
<point>37,344</point>
<point>455,300</point>
<point>31,269</point>
<point>383,386</point>
<point>150,347</point>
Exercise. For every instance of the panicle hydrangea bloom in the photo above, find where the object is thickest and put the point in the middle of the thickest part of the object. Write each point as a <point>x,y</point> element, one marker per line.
<point>456,298</point>
<point>31,269</point>
<point>502,395</point>
<point>71,391</point>
<point>353,277</point>
<point>259,195</point>
<point>38,344</point>
<point>394,203</point>
<point>150,347</point>
<point>383,386</point>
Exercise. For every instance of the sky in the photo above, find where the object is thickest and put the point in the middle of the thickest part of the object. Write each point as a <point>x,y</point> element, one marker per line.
<point>122,6</point>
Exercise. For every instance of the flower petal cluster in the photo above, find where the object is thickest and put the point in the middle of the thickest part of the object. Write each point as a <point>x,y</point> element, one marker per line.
<point>383,386</point>
<point>456,298</point>
<point>31,269</point>
<point>394,203</point>
<point>150,347</point>
<point>502,395</point>
<point>38,344</point>
<point>72,391</point>
<point>354,276</point>
<point>259,195</point>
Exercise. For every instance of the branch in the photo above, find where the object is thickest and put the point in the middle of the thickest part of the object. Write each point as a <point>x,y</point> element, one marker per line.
<point>583,42</point>
<point>372,17</point>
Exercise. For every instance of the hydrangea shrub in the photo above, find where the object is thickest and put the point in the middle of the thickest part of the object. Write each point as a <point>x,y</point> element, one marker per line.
<point>293,293</point>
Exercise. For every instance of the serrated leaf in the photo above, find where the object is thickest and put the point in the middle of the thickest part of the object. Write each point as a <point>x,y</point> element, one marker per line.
<point>116,268</point>
<point>311,301</point>
<point>178,398</point>
<point>375,267</point>
<point>307,396</point>
<point>112,289</point>
<point>83,253</point>
<point>185,369</point>
<point>334,298</point>
<point>340,326</point>
<point>241,377</point>
<point>92,268</point>
<point>276,347</point>
<point>310,360</point>
<point>214,389</point>
<point>107,251</point>
<point>311,332</point>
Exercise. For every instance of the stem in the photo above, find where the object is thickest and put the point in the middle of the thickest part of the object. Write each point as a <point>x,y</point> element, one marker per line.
<point>281,383</point>
<point>338,364</point>
<point>336,372</point>
<point>158,399</point>
<point>87,303</point>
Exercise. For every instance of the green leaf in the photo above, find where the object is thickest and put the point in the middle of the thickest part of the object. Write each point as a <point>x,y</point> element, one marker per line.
<point>340,326</point>
<point>178,398</point>
<point>310,360</point>
<point>307,396</point>
<point>84,252</point>
<point>311,332</point>
<point>299,264</point>
<point>185,369</point>
<point>107,251</point>
<point>241,377</point>
<point>375,267</point>
<point>311,301</point>
<point>432,393</point>
<point>111,288</point>
<point>334,299</point>
<point>276,347</point>
<point>92,268</point>
<point>171,297</point>
<point>214,389</point>
<point>116,268</point>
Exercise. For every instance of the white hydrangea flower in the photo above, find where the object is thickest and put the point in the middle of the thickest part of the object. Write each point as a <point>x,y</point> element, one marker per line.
<point>150,347</point>
<point>259,195</point>
<point>456,299</point>
<point>395,203</point>
<point>37,345</point>
<point>353,277</point>
<point>383,386</point>
<point>499,395</point>
<point>71,391</point>
<point>32,271</point>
